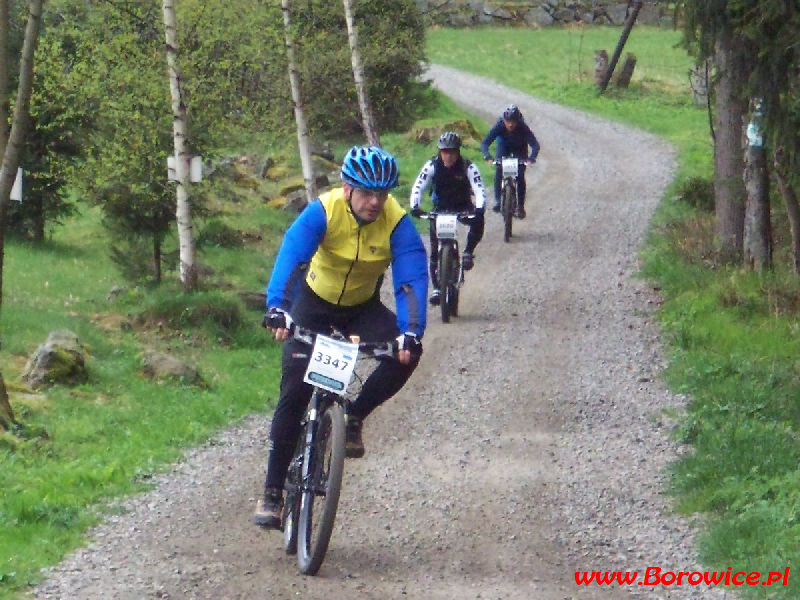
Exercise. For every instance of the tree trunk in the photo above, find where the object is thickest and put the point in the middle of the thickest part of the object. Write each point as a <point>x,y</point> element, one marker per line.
<point>367,120</point>
<point>183,213</point>
<point>729,192</point>
<point>303,144</point>
<point>792,208</point>
<point>156,258</point>
<point>757,226</point>
<point>6,414</point>
<point>626,31</point>
<point>4,102</point>
<point>37,218</point>
<point>8,171</point>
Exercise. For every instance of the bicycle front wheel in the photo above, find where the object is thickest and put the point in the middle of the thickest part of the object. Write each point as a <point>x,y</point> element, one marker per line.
<point>509,200</point>
<point>452,294</point>
<point>291,507</point>
<point>447,277</point>
<point>320,495</point>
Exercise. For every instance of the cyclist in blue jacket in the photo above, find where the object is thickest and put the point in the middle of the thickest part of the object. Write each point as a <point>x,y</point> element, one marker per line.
<point>328,272</point>
<point>513,139</point>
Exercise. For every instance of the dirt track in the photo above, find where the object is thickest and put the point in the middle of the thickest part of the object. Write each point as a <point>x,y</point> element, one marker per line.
<point>529,444</point>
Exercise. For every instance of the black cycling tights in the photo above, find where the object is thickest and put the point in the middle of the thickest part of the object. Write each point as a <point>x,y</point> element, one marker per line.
<point>373,322</point>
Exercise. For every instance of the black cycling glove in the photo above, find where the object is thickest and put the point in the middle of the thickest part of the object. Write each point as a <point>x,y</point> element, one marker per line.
<point>276,318</point>
<point>409,341</point>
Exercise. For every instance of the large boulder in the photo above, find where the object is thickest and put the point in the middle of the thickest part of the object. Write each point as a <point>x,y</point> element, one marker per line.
<point>60,359</point>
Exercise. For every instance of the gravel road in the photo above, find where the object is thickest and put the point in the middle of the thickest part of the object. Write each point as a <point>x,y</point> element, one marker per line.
<point>530,444</point>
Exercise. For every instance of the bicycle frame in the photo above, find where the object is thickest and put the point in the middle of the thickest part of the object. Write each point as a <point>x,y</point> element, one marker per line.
<point>450,270</point>
<point>313,482</point>
<point>509,191</point>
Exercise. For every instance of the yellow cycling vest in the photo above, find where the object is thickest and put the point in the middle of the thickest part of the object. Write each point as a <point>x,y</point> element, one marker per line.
<point>351,258</point>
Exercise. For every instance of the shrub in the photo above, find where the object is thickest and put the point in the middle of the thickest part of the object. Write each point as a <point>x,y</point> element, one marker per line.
<point>697,192</point>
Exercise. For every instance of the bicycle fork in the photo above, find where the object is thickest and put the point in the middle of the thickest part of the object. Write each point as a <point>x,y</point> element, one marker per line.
<point>309,457</point>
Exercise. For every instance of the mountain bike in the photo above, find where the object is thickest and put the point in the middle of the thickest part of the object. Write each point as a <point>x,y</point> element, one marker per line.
<point>314,479</point>
<point>508,194</point>
<point>449,267</point>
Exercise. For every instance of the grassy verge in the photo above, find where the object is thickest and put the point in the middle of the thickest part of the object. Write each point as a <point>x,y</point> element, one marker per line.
<point>77,448</point>
<point>732,335</point>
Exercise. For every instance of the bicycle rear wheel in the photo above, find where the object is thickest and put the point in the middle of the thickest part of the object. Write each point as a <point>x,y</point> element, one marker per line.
<point>509,200</point>
<point>447,265</point>
<point>320,495</point>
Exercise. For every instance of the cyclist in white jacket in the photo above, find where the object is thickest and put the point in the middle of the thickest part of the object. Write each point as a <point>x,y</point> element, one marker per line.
<point>455,179</point>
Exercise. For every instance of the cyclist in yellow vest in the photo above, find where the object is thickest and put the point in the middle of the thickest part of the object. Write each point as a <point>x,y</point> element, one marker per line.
<point>328,272</point>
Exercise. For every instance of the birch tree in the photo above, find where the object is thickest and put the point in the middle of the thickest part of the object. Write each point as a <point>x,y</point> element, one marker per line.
<point>303,142</point>
<point>4,106</point>
<point>6,414</point>
<point>367,120</point>
<point>183,213</point>
<point>13,146</point>
<point>13,143</point>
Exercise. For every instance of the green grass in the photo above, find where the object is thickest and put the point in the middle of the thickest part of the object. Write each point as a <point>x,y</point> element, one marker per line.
<point>79,448</point>
<point>732,335</point>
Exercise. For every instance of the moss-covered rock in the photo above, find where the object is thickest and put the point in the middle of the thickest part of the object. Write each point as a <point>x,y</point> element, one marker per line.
<point>60,359</point>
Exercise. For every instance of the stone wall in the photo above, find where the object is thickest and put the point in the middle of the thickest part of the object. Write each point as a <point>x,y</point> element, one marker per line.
<point>540,13</point>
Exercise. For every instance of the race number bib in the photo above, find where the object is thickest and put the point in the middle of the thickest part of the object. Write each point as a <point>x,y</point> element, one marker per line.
<point>332,364</point>
<point>510,167</point>
<point>446,226</point>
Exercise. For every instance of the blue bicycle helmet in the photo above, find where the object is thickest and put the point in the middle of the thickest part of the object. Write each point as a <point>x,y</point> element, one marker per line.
<point>369,168</point>
<point>512,114</point>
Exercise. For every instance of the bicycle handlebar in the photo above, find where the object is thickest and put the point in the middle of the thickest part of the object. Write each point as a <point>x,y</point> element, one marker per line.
<point>524,161</point>
<point>308,336</point>
<point>463,216</point>
<point>374,349</point>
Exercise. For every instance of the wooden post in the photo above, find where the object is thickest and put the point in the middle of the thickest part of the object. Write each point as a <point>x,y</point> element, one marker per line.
<point>623,79</point>
<point>626,31</point>
<point>600,66</point>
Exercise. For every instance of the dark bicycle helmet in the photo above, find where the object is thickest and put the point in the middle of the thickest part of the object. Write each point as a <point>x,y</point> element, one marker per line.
<point>512,113</point>
<point>449,140</point>
<point>369,168</point>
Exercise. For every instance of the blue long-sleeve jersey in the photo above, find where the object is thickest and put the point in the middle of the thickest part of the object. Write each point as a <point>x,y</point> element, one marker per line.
<point>307,234</point>
<point>511,143</point>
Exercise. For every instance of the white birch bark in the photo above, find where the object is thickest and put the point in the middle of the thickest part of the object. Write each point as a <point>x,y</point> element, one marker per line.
<point>4,103</point>
<point>303,143</point>
<point>11,152</point>
<point>367,120</point>
<point>183,213</point>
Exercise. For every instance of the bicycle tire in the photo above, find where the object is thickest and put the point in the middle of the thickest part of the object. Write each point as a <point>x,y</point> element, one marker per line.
<point>320,498</point>
<point>446,278</point>
<point>509,200</point>
<point>452,297</point>
<point>291,507</point>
